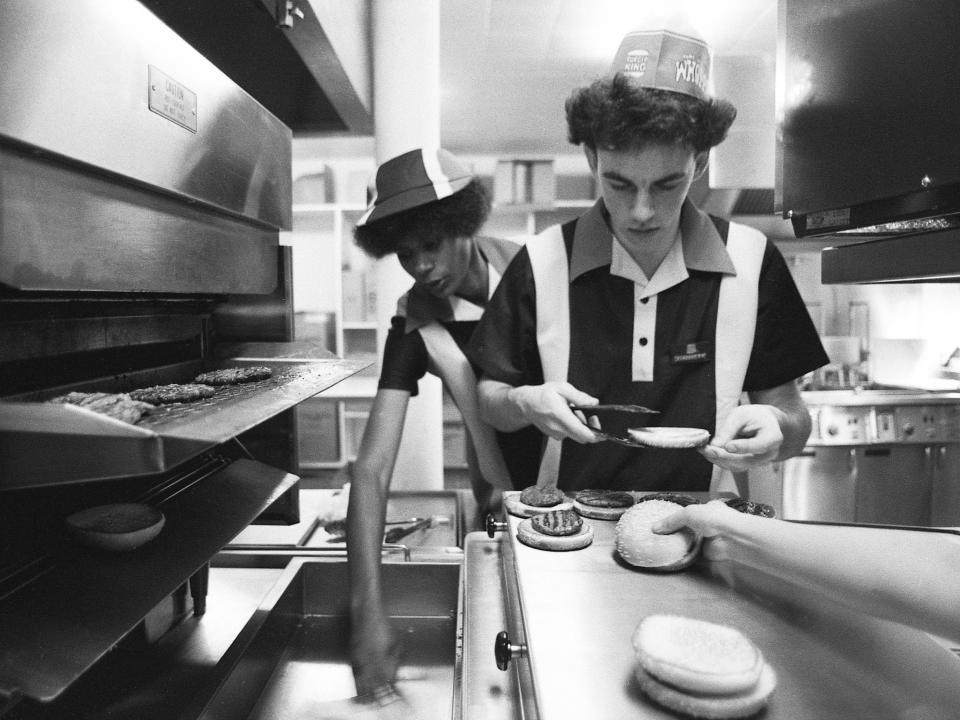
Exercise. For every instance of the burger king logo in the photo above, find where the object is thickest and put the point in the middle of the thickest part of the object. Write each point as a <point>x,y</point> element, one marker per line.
<point>636,63</point>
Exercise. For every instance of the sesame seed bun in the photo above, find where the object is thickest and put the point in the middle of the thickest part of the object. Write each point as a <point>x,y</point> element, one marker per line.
<point>641,547</point>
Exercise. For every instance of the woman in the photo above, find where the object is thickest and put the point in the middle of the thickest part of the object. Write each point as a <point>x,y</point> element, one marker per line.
<point>427,209</point>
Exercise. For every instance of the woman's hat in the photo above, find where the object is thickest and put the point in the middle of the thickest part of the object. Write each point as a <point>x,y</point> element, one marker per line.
<point>417,177</point>
<point>673,60</point>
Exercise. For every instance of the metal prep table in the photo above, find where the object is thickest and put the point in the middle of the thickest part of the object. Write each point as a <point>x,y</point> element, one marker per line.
<point>570,617</point>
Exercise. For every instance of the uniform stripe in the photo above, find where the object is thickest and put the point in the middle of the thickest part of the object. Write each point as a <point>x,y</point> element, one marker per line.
<point>439,180</point>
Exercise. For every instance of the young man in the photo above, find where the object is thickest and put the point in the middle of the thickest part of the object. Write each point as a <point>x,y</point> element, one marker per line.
<point>646,300</point>
<point>427,209</point>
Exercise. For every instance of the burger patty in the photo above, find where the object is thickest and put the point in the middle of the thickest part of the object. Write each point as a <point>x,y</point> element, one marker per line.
<point>234,376</point>
<point>119,406</point>
<point>173,393</point>
<point>752,508</point>
<point>541,497</point>
<point>606,498</point>
<point>678,498</point>
<point>557,522</point>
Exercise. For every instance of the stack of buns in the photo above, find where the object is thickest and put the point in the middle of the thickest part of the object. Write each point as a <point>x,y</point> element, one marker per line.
<point>701,669</point>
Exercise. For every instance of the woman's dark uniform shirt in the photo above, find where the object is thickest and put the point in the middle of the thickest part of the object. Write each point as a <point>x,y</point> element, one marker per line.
<point>786,346</point>
<point>405,361</point>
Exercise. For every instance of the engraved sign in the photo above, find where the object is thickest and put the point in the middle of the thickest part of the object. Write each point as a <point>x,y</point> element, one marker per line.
<point>172,100</point>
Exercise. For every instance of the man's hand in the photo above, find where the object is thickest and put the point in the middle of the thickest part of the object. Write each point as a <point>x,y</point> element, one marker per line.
<point>547,407</point>
<point>750,436</point>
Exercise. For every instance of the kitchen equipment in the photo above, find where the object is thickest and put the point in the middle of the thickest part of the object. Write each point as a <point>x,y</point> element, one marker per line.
<point>293,656</point>
<point>142,194</point>
<point>568,614</point>
<point>877,456</point>
<point>614,408</point>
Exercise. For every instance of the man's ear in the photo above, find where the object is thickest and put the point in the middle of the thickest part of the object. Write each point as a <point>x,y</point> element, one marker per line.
<point>591,154</point>
<point>701,163</point>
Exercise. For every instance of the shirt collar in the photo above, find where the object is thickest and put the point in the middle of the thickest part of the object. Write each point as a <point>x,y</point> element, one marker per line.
<point>703,248</point>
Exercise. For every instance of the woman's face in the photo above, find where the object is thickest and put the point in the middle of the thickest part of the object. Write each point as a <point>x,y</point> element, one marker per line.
<point>440,266</point>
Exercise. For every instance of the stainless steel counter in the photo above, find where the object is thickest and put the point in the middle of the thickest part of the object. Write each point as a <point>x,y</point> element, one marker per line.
<point>579,609</point>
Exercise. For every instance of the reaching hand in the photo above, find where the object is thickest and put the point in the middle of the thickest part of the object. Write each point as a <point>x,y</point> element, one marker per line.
<point>750,436</point>
<point>547,407</point>
<point>374,654</point>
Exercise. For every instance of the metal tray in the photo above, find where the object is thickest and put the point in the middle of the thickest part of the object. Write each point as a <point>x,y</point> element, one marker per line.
<point>830,661</point>
<point>292,658</point>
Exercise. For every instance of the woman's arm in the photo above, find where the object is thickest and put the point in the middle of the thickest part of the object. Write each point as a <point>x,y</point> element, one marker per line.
<point>373,651</point>
<point>909,576</point>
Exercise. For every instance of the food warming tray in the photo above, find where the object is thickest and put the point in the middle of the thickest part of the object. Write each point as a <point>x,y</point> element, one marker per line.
<point>576,611</point>
<point>292,658</point>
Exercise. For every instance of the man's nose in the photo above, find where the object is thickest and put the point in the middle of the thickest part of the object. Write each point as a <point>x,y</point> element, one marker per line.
<point>642,209</point>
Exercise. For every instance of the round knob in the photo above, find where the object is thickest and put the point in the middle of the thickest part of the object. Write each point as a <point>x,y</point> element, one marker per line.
<point>504,651</point>
<point>493,526</point>
<point>908,429</point>
<point>926,181</point>
<point>833,430</point>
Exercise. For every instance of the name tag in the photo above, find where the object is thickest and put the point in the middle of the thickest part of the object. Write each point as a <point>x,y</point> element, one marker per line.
<point>696,352</point>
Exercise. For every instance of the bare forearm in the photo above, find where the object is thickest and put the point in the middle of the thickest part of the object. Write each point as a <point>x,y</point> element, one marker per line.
<point>911,577</point>
<point>497,406</point>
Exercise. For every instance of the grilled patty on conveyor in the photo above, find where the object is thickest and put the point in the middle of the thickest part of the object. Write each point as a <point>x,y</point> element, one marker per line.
<point>234,376</point>
<point>119,406</point>
<point>172,393</point>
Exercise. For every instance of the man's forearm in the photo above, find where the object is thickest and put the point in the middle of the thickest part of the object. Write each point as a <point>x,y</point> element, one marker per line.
<point>498,407</point>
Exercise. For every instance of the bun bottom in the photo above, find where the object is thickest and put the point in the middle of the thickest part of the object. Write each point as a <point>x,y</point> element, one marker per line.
<point>530,537</point>
<point>709,707</point>
<point>598,513</point>
<point>514,506</point>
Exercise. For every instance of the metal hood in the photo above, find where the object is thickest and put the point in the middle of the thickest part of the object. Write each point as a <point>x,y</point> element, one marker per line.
<point>866,143</point>
<point>306,62</point>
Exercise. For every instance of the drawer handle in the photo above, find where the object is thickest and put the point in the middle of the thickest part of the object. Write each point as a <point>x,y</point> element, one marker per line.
<point>504,651</point>
<point>493,526</point>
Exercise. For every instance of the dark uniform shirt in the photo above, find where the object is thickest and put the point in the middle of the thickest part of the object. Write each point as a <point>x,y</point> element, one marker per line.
<point>504,345</point>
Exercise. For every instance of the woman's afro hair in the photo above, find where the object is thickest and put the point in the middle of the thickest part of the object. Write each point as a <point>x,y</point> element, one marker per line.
<point>613,113</point>
<point>459,215</point>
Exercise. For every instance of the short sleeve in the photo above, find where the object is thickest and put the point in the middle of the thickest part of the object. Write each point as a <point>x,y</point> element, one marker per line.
<point>405,359</point>
<point>504,344</point>
<point>786,344</point>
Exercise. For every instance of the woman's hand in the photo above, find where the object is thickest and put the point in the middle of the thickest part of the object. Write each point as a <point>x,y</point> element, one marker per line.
<point>374,653</point>
<point>712,520</point>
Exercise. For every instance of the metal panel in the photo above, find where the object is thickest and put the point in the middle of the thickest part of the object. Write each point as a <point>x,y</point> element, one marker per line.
<point>56,626</point>
<point>76,82</point>
<point>830,661</point>
<point>866,107</point>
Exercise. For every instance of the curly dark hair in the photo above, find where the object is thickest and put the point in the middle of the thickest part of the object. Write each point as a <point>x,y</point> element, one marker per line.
<point>614,113</point>
<point>459,215</point>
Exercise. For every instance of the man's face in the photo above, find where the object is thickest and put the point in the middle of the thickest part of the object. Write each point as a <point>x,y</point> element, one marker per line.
<point>644,189</point>
<point>440,266</point>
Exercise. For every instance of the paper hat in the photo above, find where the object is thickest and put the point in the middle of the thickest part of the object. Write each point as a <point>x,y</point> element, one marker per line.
<point>415,178</point>
<point>666,60</point>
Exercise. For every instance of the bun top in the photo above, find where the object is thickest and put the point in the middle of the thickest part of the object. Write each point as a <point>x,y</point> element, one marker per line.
<point>640,546</point>
<point>696,655</point>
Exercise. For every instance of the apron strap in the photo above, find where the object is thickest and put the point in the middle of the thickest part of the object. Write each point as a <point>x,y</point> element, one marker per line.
<point>736,326</point>
<point>448,361</point>
<point>551,272</point>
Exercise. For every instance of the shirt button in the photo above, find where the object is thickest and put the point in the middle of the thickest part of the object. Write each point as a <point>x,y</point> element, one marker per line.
<point>643,342</point>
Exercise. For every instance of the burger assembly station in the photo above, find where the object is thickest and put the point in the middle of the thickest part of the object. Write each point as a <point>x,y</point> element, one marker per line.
<point>479,360</point>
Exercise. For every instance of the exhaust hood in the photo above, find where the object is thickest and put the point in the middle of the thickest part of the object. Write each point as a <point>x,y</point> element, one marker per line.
<point>867,136</point>
<point>308,63</point>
